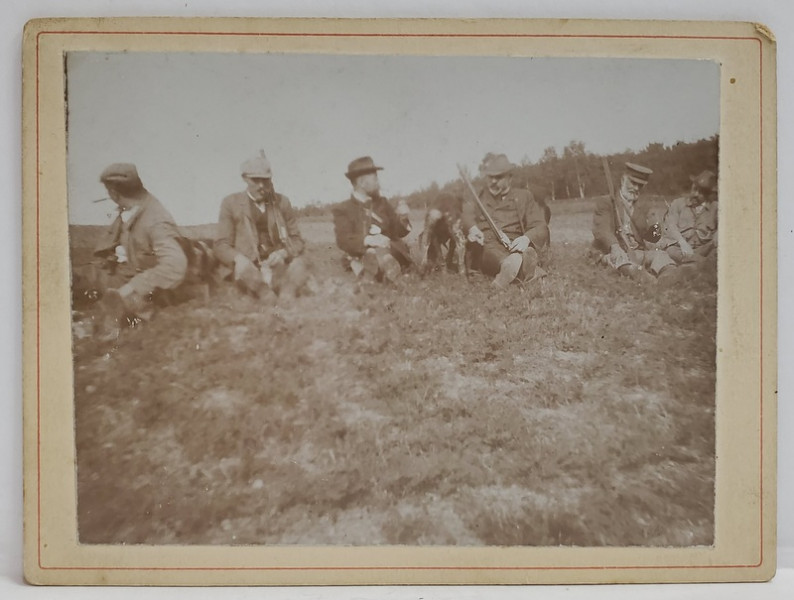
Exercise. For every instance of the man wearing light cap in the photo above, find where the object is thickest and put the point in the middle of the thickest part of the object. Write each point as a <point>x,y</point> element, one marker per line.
<point>627,230</point>
<point>257,239</point>
<point>139,255</point>
<point>369,229</point>
<point>518,215</point>
<point>691,221</point>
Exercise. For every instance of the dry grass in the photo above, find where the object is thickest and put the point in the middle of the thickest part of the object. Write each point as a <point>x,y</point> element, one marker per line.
<point>576,412</point>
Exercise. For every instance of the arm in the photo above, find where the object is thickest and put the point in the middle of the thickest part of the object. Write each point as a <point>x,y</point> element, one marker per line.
<point>604,224</point>
<point>671,226</point>
<point>396,226</point>
<point>171,265</point>
<point>534,222</point>
<point>225,235</point>
<point>348,231</point>
<point>296,241</point>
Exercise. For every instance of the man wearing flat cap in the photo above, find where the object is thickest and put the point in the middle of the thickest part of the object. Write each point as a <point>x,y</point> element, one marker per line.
<point>518,215</point>
<point>627,230</point>
<point>369,229</point>
<point>139,256</point>
<point>691,221</point>
<point>257,240</point>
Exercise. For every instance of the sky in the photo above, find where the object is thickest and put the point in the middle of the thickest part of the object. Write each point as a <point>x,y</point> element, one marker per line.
<point>188,120</point>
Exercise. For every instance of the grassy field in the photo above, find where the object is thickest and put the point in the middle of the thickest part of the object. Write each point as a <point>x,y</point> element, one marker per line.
<point>578,411</point>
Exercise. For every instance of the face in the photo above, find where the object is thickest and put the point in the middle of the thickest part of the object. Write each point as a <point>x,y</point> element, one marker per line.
<point>699,194</point>
<point>499,185</point>
<point>122,202</point>
<point>629,189</point>
<point>368,183</point>
<point>258,187</point>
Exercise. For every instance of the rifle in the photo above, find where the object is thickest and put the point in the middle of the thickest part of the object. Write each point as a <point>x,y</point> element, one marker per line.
<point>281,226</point>
<point>619,234</point>
<point>500,235</point>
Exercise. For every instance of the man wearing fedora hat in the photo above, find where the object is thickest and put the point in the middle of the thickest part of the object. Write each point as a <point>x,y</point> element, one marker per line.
<point>518,215</point>
<point>691,221</point>
<point>139,258</point>
<point>627,230</point>
<point>369,229</point>
<point>257,240</point>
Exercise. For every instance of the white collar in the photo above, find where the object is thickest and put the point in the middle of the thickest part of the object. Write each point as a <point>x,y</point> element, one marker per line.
<point>128,214</point>
<point>361,197</point>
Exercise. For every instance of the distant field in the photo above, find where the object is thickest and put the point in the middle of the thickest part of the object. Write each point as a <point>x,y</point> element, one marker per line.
<point>578,411</point>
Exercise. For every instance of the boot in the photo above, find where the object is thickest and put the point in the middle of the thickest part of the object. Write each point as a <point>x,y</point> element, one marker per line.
<point>509,268</point>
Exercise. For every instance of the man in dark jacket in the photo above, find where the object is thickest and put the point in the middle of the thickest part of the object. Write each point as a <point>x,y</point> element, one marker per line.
<point>518,215</point>
<point>627,230</point>
<point>368,229</point>
<point>257,239</point>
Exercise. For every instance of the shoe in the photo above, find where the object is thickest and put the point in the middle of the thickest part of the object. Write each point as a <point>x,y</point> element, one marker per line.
<point>369,263</point>
<point>510,267</point>
<point>391,268</point>
<point>669,276</point>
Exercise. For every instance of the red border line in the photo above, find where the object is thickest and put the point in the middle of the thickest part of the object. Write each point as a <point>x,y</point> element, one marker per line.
<point>398,35</point>
<point>390,35</point>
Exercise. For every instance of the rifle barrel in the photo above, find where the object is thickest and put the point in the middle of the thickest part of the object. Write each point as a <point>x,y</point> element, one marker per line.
<point>498,232</point>
<point>611,185</point>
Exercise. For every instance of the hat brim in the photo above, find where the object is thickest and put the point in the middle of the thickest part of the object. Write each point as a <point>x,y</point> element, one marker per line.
<point>712,188</point>
<point>355,173</point>
<point>499,173</point>
<point>636,179</point>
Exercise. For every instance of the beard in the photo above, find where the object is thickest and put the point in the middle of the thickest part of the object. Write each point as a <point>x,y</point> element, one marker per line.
<point>499,189</point>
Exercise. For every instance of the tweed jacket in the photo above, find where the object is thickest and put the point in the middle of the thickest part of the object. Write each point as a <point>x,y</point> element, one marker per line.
<point>352,220</point>
<point>697,224</point>
<point>605,228</point>
<point>237,231</point>
<point>517,213</point>
<point>154,258</point>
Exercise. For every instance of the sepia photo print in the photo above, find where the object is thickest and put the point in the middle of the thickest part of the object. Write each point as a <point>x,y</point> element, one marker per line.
<point>466,308</point>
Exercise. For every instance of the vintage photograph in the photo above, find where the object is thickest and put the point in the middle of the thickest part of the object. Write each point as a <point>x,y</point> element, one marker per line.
<point>368,300</point>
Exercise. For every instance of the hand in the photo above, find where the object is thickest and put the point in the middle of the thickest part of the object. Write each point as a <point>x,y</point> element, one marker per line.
<point>374,229</point>
<point>246,273</point>
<point>377,241</point>
<point>403,210</point>
<point>277,257</point>
<point>520,244</point>
<point>476,236</point>
<point>686,249</point>
<point>619,255</point>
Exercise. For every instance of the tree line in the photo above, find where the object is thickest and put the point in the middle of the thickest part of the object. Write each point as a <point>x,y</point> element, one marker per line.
<point>578,173</point>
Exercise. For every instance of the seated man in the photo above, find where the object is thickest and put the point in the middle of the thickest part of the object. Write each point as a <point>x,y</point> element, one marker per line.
<point>691,221</point>
<point>518,215</point>
<point>627,230</point>
<point>257,240</point>
<point>369,230</point>
<point>139,259</point>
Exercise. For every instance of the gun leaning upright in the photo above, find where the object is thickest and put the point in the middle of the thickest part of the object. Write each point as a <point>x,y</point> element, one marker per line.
<point>619,233</point>
<point>500,235</point>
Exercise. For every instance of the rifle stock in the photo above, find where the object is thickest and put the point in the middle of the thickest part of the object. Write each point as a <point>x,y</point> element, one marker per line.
<point>622,241</point>
<point>500,235</point>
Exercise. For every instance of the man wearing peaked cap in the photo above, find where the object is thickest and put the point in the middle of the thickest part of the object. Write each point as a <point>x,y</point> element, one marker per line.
<point>691,221</point>
<point>368,229</point>
<point>257,240</point>
<point>139,260</point>
<point>518,215</point>
<point>627,230</point>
